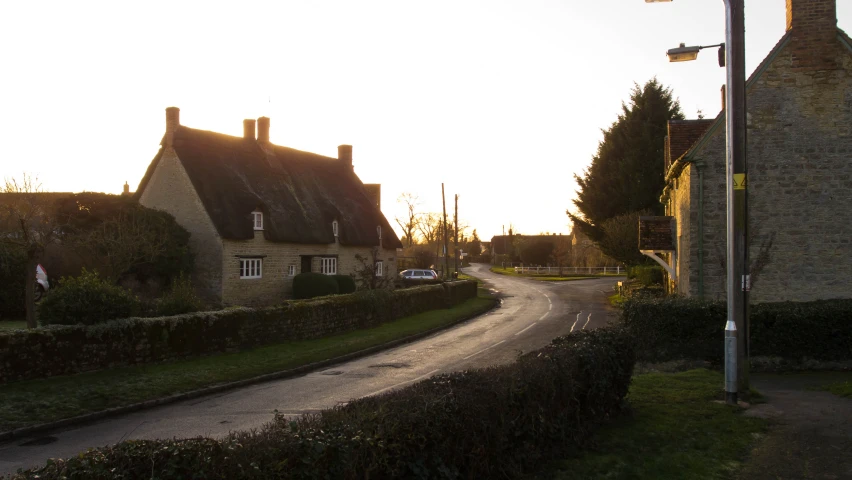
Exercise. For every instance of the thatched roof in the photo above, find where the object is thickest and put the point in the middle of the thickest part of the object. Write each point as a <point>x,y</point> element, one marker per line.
<point>300,193</point>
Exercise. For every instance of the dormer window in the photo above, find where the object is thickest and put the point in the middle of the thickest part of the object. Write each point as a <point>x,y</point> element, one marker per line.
<point>258,220</point>
<point>334,228</point>
<point>379,232</point>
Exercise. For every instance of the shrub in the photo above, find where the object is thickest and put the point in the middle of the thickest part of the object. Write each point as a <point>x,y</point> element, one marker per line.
<point>180,298</point>
<point>345,283</point>
<point>675,328</point>
<point>498,422</point>
<point>88,300</point>
<point>13,278</point>
<point>646,274</point>
<point>310,285</point>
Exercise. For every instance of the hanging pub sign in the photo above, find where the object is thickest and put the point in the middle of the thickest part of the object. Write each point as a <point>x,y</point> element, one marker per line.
<point>656,234</point>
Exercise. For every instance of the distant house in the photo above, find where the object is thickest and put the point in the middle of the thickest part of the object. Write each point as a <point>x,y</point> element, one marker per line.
<point>799,104</point>
<point>261,213</point>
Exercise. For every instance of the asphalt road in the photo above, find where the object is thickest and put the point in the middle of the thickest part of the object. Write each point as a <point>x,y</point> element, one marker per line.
<point>530,315</point>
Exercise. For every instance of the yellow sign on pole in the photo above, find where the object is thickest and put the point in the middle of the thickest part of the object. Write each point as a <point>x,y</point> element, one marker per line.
<point>740,181</point>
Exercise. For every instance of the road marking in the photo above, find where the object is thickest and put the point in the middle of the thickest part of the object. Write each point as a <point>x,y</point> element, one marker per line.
<point>524,330</point>
<point>421,377</point>
<point>543,316</point>
<point>550,307</point>
<point>575,322</point>
<point>587,321</point>
<point>548,300</point>
<point>484,349</point>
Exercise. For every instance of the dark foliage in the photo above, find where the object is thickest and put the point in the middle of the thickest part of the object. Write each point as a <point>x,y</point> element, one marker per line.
<point>499,422</point>
<point>138,241</point>
<point>345,283</point>
<point>626,174</point>
<point>13,277</point>
<point>310,285</point>
<point>675,328</point>
<point>646,274</point>
<point>87,300</point>
<point>180,298</point>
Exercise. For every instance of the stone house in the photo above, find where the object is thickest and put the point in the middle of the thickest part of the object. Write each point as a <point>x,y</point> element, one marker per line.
<point>261,213</point>
<point>799,136</point>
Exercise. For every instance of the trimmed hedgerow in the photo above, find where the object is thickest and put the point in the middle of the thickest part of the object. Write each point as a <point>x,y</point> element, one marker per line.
<point>87,300</point>
<point>499,422</point>
<point>13,278</point>
<point>311,284</point>
<point>64,350</point>
<point>674,328</point>
<point>180,298</point>
<point>345,283</point>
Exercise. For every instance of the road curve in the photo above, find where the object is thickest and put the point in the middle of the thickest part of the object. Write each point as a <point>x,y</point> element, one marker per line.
<point>530,315</point>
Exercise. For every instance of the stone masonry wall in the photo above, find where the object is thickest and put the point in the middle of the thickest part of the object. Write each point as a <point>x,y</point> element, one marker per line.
<point>799,185</point>
<point>679,209</point>
<point>276,284</point>
<point>170,189</point>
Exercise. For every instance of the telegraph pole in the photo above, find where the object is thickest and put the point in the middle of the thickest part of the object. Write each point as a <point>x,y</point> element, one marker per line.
<point>456,231</point>
<point>444,229</point>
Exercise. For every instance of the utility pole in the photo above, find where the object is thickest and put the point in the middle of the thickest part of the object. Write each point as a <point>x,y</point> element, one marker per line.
<point>456,239</point>
<point>444,229</point>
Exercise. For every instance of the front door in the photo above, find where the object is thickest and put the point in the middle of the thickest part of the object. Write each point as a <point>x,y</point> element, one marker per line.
<point>306,263</point>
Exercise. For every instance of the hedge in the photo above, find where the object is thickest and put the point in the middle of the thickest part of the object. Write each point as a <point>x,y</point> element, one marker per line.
<point>674,328</point>
<point>63,350</point>
<point>500,422</point>
<point>13,279</point>
<point>312,284</point>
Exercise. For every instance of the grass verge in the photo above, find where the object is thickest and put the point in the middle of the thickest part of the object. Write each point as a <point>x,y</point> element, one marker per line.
<point>675,431</point>
<point>13,325</point>
<point>509,271</point>
<point>51,399</point>
<point>842,387</point>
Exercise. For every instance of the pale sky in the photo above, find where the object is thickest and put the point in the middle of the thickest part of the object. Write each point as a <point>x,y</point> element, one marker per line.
<point>501,100</point>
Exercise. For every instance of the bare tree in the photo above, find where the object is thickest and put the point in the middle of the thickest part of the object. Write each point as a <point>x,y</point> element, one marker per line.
<point>27,222</point>
<point>367,275</point>
<point>561,253</point>
<point>409,223</point>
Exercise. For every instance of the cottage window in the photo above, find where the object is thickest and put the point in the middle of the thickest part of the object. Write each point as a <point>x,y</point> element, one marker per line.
<point>379,269</point>
<point>251,268</point>
<point>379,232</point>
<point>334,227</point>
<point>258,220</point>
<point>291,270</point>
<point>329,265</point>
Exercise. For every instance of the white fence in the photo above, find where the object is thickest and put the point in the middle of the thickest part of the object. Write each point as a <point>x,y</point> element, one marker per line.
<point>569,270</point>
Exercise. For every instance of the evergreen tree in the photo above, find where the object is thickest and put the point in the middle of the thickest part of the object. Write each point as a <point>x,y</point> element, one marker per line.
<point>626,174</point>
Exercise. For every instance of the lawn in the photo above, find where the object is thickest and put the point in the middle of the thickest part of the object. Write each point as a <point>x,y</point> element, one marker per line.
<point>674,430</point>
<point>842,387</point>
<point>46,400</point>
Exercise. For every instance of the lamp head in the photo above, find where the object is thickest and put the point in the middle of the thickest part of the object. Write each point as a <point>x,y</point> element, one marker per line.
<point>683,53</point>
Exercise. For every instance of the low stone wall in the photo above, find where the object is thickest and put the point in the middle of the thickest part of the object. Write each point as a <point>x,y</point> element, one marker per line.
<point>64,350</point>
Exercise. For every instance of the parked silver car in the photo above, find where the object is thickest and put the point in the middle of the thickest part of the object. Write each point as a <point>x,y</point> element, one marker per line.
<point>414,274</point>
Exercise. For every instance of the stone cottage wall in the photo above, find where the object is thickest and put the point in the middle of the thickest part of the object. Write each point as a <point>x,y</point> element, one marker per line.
<point>276,283</point>
<point>800,185</point>
<point>170,189</point>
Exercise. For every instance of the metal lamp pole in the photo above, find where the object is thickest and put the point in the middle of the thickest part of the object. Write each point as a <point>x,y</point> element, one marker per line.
<point>736,168</point>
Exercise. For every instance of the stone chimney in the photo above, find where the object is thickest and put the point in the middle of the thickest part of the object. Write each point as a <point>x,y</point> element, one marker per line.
<point>813,25</point>
<point>263,130</point>
<point>172,123</point>
<point>126,189</point>
<point>344,154</point>
<point>248,129</point>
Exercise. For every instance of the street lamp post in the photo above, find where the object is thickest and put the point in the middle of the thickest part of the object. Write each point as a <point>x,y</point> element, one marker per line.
<point>736,167</point>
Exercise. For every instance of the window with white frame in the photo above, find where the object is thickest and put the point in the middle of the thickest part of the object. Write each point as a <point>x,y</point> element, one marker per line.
<point>251,268</point>
<point>329,265</point>
<point>379,231</point>
<point>258,220</point>
<point>335,228</point>
<point>291,271</point>
<point>379,269</point>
